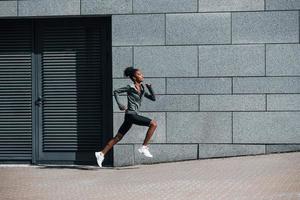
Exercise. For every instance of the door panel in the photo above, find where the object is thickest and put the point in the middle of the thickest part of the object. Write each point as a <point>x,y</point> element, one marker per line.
<point>15,90</point>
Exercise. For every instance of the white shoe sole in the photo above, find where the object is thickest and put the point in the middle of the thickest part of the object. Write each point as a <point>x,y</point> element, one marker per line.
<point>144,154</point>
<point>100,165</point>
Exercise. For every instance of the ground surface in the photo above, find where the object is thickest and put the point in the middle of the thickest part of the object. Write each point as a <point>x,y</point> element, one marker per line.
<point>273,176</point>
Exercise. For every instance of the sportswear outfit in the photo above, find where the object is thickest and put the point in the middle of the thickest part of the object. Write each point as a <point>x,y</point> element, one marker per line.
<point>134,99</point>
<point>131,114</point>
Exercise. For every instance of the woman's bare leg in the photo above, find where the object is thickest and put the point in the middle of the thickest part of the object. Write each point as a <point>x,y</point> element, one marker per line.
<point>112,142</point>
<point>150,132</point>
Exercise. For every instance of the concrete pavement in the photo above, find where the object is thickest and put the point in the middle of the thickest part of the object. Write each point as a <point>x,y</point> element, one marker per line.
<point>261,177</point>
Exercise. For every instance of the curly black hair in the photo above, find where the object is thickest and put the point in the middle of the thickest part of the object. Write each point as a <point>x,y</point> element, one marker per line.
<point>129,72</point>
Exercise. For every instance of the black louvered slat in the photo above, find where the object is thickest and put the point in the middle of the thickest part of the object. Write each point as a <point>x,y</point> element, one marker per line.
<point>72,84</point>
<point>15,90</point>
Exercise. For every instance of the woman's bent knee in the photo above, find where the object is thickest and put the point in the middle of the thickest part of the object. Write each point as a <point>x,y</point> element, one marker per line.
<point>118,137</point>
<point>153,123</point>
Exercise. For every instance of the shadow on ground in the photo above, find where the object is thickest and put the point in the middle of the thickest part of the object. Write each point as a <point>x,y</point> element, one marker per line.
<point>84,167</point>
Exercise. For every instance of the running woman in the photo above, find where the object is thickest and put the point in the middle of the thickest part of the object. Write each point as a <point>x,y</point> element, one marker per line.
<point>135,93</point>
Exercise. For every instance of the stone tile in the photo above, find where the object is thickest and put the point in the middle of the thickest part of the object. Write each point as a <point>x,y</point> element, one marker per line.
<point>232,60</point>
<point>137,133</point>
<point>166,153</point>
<point>265,27</point>
<point>199,85</point>
<point>225,150</point>
<point>138,29</point>
<point>185,28</point>
<point>283,60</point>
<point>282,5</point>
<point>266,127</point>
<point>232,102</point>
<point>266,85</point>
<point>121,58</point>
<point>106,6</point>
<point>123,155</point>
<point>166,61</point>
<point>164,6</point>
<point>270,148</point>
<point>230,5</point>
<point>283,102</point>
<point>48,7</point>
<point>199,127</point>
<point>8,8</point>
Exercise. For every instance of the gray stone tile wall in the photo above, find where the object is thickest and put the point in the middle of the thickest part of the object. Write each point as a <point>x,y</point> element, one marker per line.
<point>89,7</point>
<point>122,57</point>
<point>138,29</point>
<point>8,8</point>
<point>265,27</point>
<point>226,73</point>
<point>199,127</point>
<point>283,102</point>
<point>225,150</point>
<point>266,127</point>
<point>232,103</point>
<point>199,85</point>
<point>123,155</point>
<point>266,85</point>
<point>164,6</point>
<point>48,7</point>
<point>230,5</point>
<point>167,61</point>
<point>282,148</point>
<point>282,5</point>
<point>186,28</point>
<point>283,60</point>
<point>231,60</point>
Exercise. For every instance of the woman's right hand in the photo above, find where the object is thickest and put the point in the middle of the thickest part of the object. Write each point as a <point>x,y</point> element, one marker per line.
<point>122,107</point>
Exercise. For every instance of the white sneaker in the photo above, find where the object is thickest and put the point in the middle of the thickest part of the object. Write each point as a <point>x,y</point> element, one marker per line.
<point>144,150</point>
<point>100,157</point>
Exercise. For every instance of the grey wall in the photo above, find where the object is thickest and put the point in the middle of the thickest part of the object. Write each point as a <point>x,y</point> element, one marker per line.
<point>226,73</point>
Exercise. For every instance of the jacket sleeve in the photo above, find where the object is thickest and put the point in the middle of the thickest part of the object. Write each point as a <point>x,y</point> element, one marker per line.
<point>119,91</point>
<point>150,96</point>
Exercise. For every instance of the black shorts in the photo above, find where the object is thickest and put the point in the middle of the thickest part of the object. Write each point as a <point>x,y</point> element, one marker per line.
<point>133,119</point>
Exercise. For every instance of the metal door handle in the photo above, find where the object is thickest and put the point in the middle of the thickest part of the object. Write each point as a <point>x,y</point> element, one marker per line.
<point>39,101</point>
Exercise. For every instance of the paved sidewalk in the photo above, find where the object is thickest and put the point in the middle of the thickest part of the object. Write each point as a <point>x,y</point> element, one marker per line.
<point>262,177</point>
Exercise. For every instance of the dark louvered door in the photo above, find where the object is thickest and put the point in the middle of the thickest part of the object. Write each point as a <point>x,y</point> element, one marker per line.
<point>15,90</point>
<point>73,61</point>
